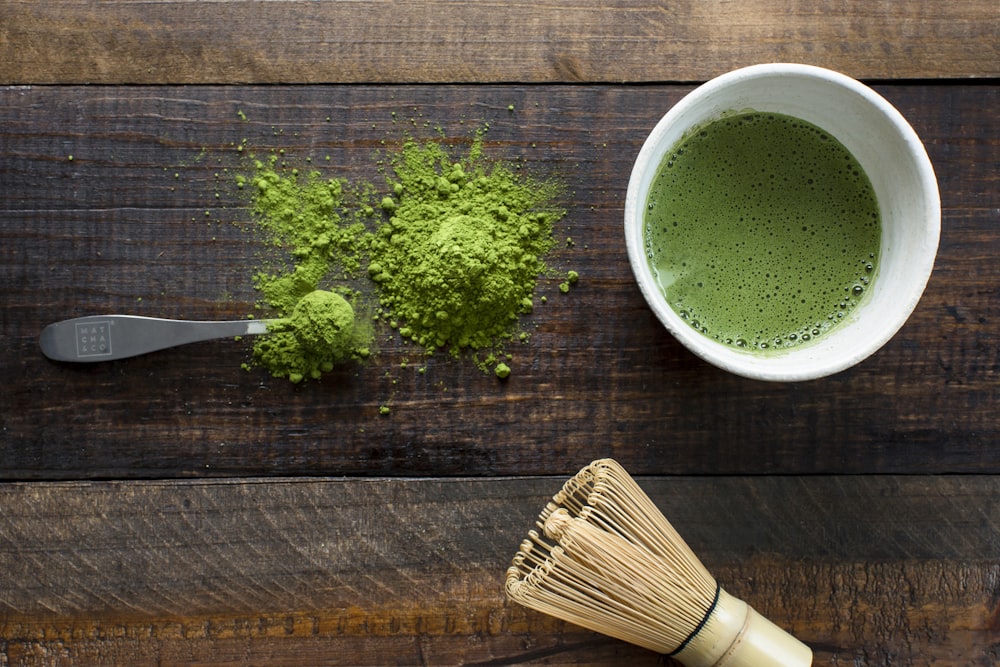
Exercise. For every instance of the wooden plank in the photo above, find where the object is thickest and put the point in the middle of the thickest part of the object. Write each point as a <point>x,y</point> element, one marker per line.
<point>868,570</point>
<point>122,228</point>
<point>439,41</point>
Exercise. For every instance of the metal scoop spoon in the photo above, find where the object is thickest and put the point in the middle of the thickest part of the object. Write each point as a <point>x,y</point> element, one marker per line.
<point>107,337</point>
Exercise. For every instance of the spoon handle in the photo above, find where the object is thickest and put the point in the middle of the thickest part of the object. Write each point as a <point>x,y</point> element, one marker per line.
<point>106,337</point>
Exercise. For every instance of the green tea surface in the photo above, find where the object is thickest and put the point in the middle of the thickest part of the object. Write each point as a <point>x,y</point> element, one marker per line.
<point>762,230</point>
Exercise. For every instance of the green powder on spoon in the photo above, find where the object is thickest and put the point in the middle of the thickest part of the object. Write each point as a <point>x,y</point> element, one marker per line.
<point>320,333</point>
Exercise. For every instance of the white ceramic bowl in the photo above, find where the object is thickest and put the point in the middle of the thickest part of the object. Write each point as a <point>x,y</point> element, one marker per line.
<point>896,163</point>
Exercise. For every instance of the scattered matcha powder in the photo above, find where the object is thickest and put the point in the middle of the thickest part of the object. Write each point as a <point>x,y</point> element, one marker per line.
<point>302,214</point>
<point>456,257</point>
<point>571,278</point>
<point>315,329</point>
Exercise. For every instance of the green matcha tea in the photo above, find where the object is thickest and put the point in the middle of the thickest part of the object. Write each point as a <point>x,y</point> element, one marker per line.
<point>762,230</point>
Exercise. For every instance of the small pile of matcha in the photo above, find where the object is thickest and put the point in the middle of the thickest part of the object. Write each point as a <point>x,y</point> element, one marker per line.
<point>320,333</point>
<point>315,328</point>
<point>301,213</point>
<point>459,257</point>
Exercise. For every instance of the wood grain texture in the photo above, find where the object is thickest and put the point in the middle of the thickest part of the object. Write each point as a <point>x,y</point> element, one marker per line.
<point>442,41</point>
<point>867,570</point>
<point>198,514</point>
<point>122,227</point>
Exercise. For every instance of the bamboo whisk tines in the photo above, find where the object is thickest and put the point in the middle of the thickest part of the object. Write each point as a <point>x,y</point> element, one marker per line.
<point>606,559</point>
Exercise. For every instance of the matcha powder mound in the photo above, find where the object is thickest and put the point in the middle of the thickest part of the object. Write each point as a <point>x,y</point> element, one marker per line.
<point>459,258</point>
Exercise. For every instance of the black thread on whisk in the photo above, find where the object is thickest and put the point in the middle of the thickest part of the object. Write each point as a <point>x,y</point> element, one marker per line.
<point>697,629</point>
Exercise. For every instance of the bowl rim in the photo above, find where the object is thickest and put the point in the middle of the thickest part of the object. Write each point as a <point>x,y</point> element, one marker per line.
<point>801,362</point>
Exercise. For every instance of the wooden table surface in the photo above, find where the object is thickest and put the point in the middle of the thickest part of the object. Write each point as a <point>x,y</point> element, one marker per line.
<point>174,509</point>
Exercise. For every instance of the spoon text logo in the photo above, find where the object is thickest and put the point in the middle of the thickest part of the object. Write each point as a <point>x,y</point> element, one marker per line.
<point>93,339</point>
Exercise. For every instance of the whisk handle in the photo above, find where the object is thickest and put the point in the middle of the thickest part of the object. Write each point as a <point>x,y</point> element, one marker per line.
<point>735,635</point>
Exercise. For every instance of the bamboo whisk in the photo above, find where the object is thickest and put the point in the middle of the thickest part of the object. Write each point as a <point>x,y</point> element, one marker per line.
<point>607,559</point>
